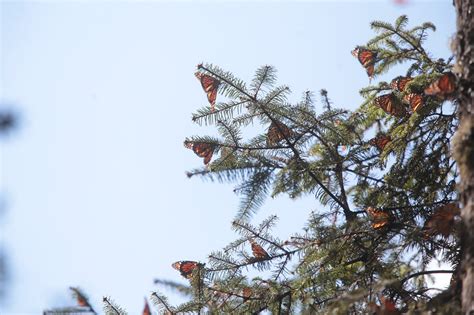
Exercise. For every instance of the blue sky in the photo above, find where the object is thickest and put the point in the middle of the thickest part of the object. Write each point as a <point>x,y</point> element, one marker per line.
<point>95,177</point>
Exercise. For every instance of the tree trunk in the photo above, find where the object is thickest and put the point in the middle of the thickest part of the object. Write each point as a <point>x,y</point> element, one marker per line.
<point>463,144</point>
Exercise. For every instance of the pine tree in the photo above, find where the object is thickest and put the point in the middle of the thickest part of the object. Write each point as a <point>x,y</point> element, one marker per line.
<point>383,174</point>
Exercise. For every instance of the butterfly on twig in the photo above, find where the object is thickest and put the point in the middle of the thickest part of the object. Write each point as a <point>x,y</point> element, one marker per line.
<point>367,58</point>
<point>186,267</point>
<point>201,149</point>
<point>444,87</point>
<point>209,85</point>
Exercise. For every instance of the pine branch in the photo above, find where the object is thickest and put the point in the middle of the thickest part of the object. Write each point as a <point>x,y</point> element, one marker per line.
<point>161,302</point>
<point>426,272</point>
<point>110,308</point>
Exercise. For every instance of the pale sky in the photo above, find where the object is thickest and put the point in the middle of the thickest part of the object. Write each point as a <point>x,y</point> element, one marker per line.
<point>95,177</point>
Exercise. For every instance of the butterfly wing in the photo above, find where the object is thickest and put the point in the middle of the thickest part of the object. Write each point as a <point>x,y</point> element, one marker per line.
<point>146,309</point>
<point>442,221</point>
<point>380,141</point>
<point>276,132</point>
<point>185,267</point>
<point>204,150</point>
<point>390,104</point>
<point>201,149</point>
<point>210,86</point>
<point>443,87</point>
<point>367,58</point>
<point>211,97</point>
<point>400,83</point>
<point>379,218</point>
<point>246,293</point>
<point>258,251</point>
<point>447,84</point>
<point>415,100</point>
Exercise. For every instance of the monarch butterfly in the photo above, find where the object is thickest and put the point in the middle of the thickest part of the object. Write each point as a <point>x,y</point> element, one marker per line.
<point>399,83</point>
<point>202,149</point>
<point>441,221</point>
<point>186,267</point>
<point>277,132</point>
<point>209,85</point>
<point>443,87</point>
<point>379,218</point>
<point>80,298</point>
<point>380,141</point>
<point>246,293</point>
<point>367,58</point>
<point>415,100</point>
<point>146,309</point>
<point>391,105</point>
<point>387,307</point>
<point>258,251</point>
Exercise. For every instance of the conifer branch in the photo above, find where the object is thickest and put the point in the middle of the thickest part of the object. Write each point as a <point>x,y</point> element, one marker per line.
<point>162,303</point>
<point>347,212</point>
<point>426,272</point>
<point>110,308</point>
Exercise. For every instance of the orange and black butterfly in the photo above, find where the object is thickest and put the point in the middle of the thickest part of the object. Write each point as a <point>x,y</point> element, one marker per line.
<point>210,86</point>
<point>258,251</point>
<point>367,58</point>
<point>276,132</point>
<point>399,83</point>
<point>186,267</point>
<point>80,297</point>
<point>387,307</point>
<point>379,218</point>
<point>202,149</point>
<point>146,309</point>
<point>380,141</point>
<point>391,105</point>
<point>442,221</point>
<point>415,100</point>
<point>443,87</point>
<point>246,293</point>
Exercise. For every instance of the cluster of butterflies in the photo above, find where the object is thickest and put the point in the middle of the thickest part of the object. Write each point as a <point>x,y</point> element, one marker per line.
<point>441,222</point>
<point>277,132</point>
<point>442,88</point>
<point>187,267</point>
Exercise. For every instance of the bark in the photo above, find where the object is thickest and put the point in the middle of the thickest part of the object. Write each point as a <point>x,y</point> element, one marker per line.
<point>463,144</point>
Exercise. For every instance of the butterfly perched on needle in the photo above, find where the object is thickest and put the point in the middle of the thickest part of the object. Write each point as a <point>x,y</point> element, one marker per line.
<point>441,221</point>
<point>367,58</point>
<point>380,141</point>
<point>246,293</point>
<point>276,132</point>
<point>391,105</point>
<point>209,85</point>
<point>186,267</point>
<point>258,251</point>
<point>416,101</point>
<point>201,149</point>
<point>146,309</point>
<point>387,307</point>
<point>80,297</point>
<point>379,218</point>
<point>443,87</point>
<point>400,83</point>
